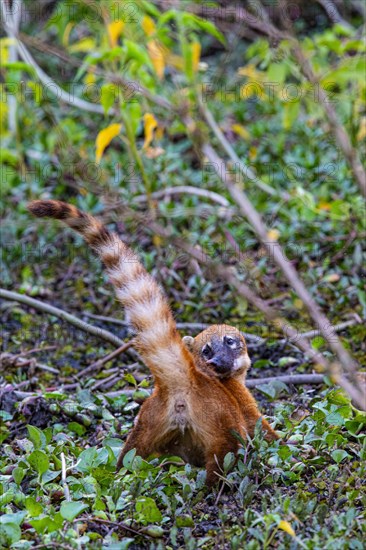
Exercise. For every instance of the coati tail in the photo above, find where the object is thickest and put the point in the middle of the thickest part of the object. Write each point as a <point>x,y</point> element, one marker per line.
<point>147,309</point>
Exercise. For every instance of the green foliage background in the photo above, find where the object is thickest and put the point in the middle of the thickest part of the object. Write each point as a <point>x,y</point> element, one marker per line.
<point>270,113</point>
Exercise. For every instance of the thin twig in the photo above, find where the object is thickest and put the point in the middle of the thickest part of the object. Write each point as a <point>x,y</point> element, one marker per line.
<point>106,382</point>
<point>184,190</point>
<point>63,477</point>
<point>297,379</point>
<point>34,350</point>
<point>99,364</point>
<point>334,328</point>
<point>116,523</point>
<point>245,170</point>
<point>7,359</point>
<point>180,326</point>
<point>61,314</point>
<point>106,319</point>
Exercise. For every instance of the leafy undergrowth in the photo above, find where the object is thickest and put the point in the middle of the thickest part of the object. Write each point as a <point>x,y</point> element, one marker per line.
<point>308,495</point>
<point>311,495</point>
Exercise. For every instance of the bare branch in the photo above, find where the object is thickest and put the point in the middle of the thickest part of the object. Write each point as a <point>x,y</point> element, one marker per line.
<point>61,314</point>
<point>331,10</point>
<point>9,360</point>
<point>350,153</point>
<point>63,478</point>
<point>246,171</point>
<point>101,362</point>
<point>297,379</point>
<point>184,190</point>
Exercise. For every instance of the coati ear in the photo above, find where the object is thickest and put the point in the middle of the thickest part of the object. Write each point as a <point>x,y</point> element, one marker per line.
<point>188,341</point>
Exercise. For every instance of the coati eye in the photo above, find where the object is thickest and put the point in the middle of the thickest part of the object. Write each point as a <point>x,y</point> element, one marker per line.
<point>230,342</point>
<point>207,350</point>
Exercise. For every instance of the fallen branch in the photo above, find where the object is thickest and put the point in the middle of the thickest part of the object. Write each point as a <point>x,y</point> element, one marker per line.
<point>184,190</point>
<point>99,364</point>
<point>297,379</point>
<point>8,360</point>
<point>106,383</point>
<point>61,314</point>
<point>118,524</point>
<point>180,326</point>
<point>335,328</point>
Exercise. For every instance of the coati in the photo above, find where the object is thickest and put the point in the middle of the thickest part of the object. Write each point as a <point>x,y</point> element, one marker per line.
<point>221,351</point>
<point>199,399</point>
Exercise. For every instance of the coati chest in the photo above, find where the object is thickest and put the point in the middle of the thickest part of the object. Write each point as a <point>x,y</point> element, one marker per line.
<point>182,438</point>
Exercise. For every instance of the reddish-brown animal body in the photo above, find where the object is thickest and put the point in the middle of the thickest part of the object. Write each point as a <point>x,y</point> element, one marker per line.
<point>192,413</point>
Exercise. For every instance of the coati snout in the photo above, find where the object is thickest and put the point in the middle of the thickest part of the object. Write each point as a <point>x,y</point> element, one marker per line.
<point>220,350</point>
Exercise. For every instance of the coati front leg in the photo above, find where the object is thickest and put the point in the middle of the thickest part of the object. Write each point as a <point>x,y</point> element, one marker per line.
<point>148,429</point>
<point>215,455</point>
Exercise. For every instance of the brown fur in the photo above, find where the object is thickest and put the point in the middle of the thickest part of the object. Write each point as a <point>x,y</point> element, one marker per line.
<point>233,381</point>
<point>191,413</point>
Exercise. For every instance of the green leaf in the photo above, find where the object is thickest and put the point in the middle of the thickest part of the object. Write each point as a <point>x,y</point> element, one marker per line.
<point>154,531</point>
<point>284,452</point>
<point>133,111</point>
<point>69,510</point>
<point>34,508</point>
<point>130,379</point>
<point>285,361</point>
<point>128,459</point>
<point>134,51</point>
<point>261,363</point>
<point>335,419</point>
<point>9,534</point>
<point>290,114</point>
<point>36,436</point>
<point>39,461</point>
<point>47,524</point>
<point>108,95</point>
<point>209,27</point>
<point>18,475</point>
<point>16,518</point>
<point>277,73</point>
<point>184,520</point>
<point>19,66</point>
<point>86,459</point>
<point>338,455</point>
<point>229,461</point>
<point>146,506</point>
<point>76,428</point>
<point>338,397</point>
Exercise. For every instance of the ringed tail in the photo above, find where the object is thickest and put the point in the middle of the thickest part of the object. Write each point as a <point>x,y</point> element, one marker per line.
<point>147,309</point>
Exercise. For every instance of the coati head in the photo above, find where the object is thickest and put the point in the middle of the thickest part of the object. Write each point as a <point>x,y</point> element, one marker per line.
<point>220,350</point>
